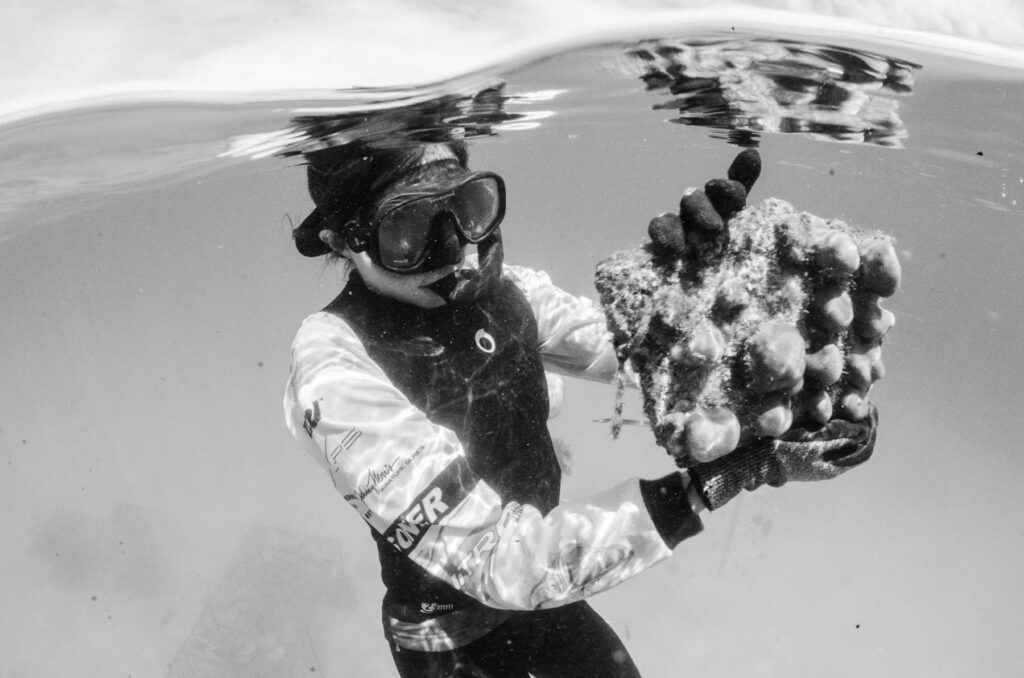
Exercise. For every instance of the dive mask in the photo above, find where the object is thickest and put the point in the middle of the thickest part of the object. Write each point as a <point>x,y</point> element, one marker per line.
<point>473,203</point>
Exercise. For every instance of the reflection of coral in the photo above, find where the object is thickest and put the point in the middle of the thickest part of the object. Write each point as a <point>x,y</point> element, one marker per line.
<point>774,320</point>
<point>402,118</point>
<point>753,86</point>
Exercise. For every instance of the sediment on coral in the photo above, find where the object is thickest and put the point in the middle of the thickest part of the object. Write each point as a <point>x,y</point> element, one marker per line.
<point>771,320</point>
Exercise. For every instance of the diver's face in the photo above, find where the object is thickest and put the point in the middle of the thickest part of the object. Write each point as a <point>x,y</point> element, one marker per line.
<point>423,239</point>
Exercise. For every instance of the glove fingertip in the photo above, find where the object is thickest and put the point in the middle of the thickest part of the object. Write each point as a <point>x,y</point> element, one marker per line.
<point>727,196</point>
<point>746,168</point>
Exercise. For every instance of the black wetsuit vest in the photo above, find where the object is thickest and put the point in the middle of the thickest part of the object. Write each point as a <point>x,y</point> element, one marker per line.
<point>477,371</point>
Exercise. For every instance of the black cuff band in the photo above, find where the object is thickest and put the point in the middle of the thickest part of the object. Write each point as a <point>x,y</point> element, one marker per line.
<point>670,509</point>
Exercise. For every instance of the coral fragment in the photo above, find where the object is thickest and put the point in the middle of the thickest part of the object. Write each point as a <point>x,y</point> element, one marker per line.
<point>768,320</point>
<point>880,267</point>
<point>776,357</point>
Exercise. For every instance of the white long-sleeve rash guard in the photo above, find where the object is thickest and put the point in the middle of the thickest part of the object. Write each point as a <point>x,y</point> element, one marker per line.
<point>409,478</point>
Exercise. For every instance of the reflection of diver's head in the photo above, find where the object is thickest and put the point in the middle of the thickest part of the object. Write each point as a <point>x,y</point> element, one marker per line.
<point>412,209</point>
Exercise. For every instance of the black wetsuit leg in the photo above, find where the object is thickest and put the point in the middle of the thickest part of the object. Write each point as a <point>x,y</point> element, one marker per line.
<point>566,642</point>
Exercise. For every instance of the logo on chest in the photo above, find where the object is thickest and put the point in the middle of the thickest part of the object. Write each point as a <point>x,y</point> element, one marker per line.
<point>484,341</point>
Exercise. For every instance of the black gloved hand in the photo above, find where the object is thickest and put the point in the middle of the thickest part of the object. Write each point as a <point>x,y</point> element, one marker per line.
<point>725,197</point>
<point>800,455</point>
<point>703,214</point>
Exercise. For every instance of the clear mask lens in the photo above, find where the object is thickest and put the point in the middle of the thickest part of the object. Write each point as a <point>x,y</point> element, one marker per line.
<point>476,205</point>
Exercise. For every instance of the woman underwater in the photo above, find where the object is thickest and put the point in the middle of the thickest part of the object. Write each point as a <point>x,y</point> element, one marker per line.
<point>421,390</point>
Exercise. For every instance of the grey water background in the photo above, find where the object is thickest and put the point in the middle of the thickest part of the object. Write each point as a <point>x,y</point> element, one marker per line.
<point>159,521</point>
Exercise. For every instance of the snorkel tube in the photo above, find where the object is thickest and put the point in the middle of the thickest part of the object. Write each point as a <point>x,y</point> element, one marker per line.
<point>472,284</point>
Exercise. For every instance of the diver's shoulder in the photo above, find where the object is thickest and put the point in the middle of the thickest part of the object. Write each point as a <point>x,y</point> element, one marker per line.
<point>316,326</point>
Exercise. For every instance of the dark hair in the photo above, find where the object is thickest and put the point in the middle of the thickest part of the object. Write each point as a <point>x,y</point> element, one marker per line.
<point>342,179</point>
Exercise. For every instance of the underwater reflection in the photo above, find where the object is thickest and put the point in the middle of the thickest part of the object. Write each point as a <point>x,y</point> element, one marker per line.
<point>482,110</point>
<point>741,89</point>
<point>749,87</point>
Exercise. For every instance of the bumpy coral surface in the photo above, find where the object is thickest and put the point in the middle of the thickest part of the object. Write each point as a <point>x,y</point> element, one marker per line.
<point>769,320</point>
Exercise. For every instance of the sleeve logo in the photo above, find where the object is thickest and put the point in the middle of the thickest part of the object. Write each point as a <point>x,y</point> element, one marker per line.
<point>444,493</point>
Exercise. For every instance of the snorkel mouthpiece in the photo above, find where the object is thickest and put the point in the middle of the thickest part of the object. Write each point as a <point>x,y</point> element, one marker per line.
<point>471,284</point>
